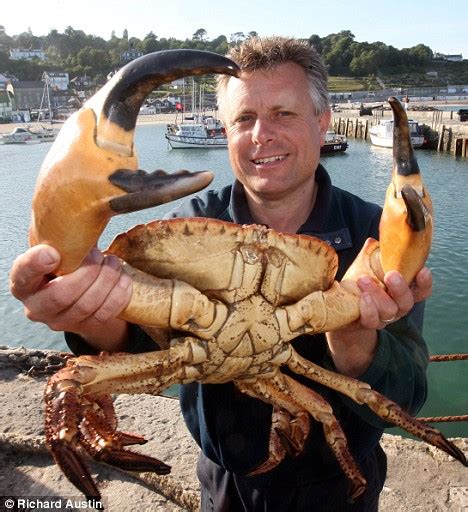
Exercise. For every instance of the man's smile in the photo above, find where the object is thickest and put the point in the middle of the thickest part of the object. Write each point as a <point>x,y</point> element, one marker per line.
<point>269,159</point>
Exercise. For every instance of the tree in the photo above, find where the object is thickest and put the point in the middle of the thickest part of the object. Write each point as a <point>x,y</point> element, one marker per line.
<point>199,35</point>
<point>237,37</point>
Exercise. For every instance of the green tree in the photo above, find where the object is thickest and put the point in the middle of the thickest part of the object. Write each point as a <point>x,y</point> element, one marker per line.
<point>199,35</point>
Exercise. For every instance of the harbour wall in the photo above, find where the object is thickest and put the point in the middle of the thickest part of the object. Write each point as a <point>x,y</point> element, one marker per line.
<point>420,477</point>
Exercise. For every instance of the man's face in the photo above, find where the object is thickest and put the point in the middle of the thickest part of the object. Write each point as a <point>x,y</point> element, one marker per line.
<point>273,133</point>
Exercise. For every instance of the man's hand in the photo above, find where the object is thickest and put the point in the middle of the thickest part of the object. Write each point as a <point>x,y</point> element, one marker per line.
<point>86,302</point>
<point>353,347</point>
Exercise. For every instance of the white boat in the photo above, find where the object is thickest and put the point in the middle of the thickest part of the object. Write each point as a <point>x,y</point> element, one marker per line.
<point>20,136</point>
<point>382,134</point>
<point>29,135</point>
<point>203,132</point>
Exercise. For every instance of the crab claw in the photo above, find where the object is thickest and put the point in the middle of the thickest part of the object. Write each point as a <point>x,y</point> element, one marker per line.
<point>406,224</point>
<point>77,424</point>
<point>90,173</point>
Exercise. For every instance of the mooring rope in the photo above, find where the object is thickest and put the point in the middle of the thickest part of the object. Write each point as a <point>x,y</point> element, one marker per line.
<point>448,357</point>
<point>440,358</point>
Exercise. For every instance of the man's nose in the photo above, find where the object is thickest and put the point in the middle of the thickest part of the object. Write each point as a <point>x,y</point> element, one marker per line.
<point>263,132</point>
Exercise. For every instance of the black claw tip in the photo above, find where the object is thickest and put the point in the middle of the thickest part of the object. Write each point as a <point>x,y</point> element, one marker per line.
<point>404,159</point>
<point>136,80</point>
<point>416,209</point>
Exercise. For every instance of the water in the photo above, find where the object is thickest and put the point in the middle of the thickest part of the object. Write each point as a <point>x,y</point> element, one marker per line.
<point>363,169</point>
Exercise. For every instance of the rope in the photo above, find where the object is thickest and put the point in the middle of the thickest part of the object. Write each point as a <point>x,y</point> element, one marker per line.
<point>165,485</point>
<point>448,357</point>
<point>442,419</point>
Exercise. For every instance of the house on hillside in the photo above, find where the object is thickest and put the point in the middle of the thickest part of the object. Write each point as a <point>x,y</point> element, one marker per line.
<point>449,58</point>
<point>130,54</point>
<point>27,54</point>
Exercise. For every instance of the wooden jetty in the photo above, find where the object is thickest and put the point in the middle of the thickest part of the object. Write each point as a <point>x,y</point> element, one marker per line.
<point>446,133</point>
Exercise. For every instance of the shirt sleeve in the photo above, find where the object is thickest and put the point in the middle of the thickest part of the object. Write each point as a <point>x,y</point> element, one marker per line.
<point>138,341</point>
<point>398,370</point>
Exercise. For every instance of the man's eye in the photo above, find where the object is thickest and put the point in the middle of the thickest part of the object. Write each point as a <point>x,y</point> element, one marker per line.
<point>244,118</point>
<point>284,113</point>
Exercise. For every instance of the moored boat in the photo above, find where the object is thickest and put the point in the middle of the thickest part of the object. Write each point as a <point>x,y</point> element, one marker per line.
<point>203,132</point>
<point>382,134</point>
<point>334,143</point>
<point>27,135</point>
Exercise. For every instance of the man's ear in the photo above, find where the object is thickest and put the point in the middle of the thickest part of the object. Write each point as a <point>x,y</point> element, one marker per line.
<point>324,124</point>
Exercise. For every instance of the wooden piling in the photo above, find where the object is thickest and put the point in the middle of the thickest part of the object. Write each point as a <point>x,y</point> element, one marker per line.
<point>440,143</point>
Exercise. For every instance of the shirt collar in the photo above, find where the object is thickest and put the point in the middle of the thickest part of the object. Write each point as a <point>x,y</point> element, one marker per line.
<point>318,220</point>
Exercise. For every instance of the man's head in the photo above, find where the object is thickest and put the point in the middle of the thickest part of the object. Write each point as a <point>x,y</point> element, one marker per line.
<point>264,54</point>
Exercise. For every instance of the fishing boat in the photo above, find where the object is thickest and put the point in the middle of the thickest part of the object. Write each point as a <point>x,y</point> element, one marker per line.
<point>201,132</point>
<point>382,134</point>
<point>334,143</point>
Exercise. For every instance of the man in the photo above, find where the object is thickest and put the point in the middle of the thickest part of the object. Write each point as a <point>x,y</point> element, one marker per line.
<point>276,116</point>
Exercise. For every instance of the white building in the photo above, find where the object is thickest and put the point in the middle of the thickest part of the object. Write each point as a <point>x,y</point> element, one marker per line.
<point>24,54</point>
<point>56,79</point>
<point>450,58</point>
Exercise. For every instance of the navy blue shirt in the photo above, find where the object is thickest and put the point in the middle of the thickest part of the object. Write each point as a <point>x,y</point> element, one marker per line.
<point>233,429</point>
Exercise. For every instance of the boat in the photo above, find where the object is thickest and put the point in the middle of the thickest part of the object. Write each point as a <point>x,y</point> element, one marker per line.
<point>334,143</point>
<point>382,134</point>
<point>201,132</point>
<point>20,135</point>
<point>29,135</point>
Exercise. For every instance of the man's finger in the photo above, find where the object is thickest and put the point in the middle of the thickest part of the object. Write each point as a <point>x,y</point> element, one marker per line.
<point>30,269</point>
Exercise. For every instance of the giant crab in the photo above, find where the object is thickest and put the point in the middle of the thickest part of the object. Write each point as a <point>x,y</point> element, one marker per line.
<point>241,293</point>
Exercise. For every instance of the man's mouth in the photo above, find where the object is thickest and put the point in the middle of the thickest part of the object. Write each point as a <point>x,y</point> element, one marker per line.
<point>269,159</point>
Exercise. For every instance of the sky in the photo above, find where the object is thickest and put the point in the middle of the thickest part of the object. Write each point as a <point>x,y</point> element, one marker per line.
<point>443,26</point>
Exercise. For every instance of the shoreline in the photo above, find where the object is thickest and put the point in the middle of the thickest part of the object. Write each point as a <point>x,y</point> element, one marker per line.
<point>350,109</point>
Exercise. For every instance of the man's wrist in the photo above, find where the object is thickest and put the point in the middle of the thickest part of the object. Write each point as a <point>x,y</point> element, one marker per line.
<point>352,351</point>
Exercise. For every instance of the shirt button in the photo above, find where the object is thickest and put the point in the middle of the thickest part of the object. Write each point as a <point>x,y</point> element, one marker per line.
<point>338,240</point>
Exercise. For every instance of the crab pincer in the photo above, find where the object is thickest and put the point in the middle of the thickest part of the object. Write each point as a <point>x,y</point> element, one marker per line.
<point>91,172</point>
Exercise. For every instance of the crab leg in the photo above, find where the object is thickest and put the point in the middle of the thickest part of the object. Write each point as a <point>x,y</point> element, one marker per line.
<point>361,393</point>
<point>79,412</point>
<point>295,398</point>
<point>90,173</point>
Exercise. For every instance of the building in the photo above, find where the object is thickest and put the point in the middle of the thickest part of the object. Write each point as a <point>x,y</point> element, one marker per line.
<point>5,79</point>
<point>6,106</point>
<point>56,79</point>
<point>130,54</point>
<point>449,58</point>
<point>24,54</point>
<point>27,94</point>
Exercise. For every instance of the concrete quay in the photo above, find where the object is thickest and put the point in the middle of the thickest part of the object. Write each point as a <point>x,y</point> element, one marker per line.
<point>420,478</point>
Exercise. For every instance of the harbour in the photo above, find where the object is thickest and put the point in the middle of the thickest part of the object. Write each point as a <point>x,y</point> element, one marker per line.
<point>362,169</point>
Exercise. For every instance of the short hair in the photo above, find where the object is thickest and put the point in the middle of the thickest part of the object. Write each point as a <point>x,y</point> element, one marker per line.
<point>258,53</point>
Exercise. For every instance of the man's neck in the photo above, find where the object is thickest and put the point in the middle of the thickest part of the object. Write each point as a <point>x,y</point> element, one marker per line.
<point>284,215</point>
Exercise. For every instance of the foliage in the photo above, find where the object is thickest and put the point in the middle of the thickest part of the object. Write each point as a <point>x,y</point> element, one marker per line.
<point>78,53</point>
